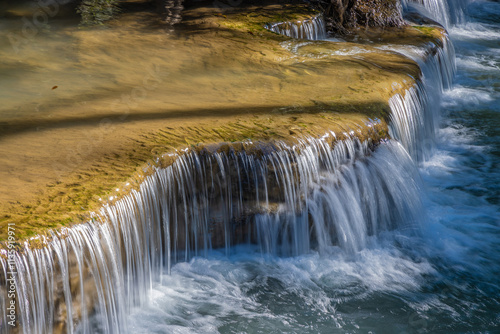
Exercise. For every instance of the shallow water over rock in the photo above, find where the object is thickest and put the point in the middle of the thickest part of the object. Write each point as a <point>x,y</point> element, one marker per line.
<point>294,237</point>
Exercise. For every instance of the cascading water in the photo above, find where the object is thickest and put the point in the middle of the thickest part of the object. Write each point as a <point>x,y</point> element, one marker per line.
<point>297,201</point>
<point>445,12</point>
<point>312,29</point>
<point>461,178</point>
<point>446,281</point>
<point>415,116</point>
<point>287,200</point>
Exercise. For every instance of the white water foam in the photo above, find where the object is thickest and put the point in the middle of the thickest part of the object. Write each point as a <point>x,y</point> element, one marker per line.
<point>249,293</point>
<point>466,96</point>
<point>325,197</point>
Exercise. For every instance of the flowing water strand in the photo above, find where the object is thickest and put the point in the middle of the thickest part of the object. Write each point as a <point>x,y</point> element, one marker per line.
<point>466,164</point>
<point>461,178</point>
<point>286,200</point>
<point>313,28</point>
<point>415,115</point>
<point>446,12</point>
<point>447,284</point>
<point>74,275</point>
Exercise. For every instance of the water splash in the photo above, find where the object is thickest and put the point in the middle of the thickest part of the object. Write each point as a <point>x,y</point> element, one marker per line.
<point>286,199</point>
<point>312,29</point>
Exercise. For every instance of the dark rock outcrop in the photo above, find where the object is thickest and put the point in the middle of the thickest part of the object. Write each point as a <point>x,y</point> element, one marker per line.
<point>171,10</point>
<point>345,16</point>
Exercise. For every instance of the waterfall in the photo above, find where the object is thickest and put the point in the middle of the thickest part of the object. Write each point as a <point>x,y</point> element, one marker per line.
<point>415,114</point>
<point>445,12</point>
<point>287,199</point>
<point>313,28</point>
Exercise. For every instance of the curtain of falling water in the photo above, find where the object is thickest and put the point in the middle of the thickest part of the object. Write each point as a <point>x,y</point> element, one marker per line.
<point>446,13</point>
<point>415,116</point>
<point>311,29</point>
<point>288,200</point>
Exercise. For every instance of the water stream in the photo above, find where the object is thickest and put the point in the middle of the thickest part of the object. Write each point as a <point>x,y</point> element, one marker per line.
<point>447,13</point>
<point>312,28</point>
<point>444,281</point>
<point>400,236</point>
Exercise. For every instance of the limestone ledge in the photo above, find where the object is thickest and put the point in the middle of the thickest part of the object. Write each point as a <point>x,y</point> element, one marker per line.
<point>219,78</point>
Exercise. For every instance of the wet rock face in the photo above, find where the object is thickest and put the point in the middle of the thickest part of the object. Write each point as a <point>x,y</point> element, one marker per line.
<point>378,13</point>
<point>343,16</point>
